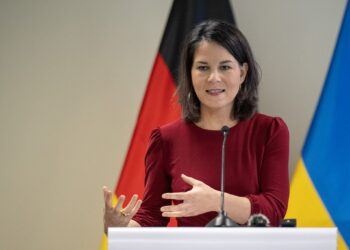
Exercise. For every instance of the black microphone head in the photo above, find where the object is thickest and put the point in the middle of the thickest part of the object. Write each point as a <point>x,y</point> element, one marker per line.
<point>258,220</point>
<point>225,130</point>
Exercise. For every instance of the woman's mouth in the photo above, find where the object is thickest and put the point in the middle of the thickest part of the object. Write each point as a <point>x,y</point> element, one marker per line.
<point>214,92</point>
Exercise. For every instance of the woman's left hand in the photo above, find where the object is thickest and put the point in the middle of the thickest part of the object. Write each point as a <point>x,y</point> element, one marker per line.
<point>200,199</point>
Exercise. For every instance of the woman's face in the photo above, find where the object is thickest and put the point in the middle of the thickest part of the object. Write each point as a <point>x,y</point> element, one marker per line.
<point>216,77</point>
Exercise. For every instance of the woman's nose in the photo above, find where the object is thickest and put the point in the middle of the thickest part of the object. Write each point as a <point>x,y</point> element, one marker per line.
<point>214,77</point>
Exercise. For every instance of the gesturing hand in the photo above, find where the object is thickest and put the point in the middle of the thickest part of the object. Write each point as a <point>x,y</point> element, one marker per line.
<point>200,199</point>
<point>118,216</point>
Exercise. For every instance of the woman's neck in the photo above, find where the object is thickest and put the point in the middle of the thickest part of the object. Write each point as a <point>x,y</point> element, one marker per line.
<point>215,121</point>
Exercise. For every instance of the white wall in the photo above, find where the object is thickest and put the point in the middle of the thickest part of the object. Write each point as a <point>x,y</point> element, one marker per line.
<point>72,76</point>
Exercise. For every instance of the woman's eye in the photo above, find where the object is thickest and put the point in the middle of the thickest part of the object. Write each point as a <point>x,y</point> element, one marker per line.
<point>225,67</point>
<point>202,68</point>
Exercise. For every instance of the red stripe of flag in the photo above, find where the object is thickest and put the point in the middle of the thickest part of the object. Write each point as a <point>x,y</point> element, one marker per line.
<point>159,106</point>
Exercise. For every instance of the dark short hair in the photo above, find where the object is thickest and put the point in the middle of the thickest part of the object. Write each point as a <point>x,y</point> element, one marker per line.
<point>229,37</point>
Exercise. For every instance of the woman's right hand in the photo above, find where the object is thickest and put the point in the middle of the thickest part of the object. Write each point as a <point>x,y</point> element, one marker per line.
<point>118,216</point>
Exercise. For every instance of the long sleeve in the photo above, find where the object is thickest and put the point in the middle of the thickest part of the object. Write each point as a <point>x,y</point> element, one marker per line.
<point>272,199</point>
<point>157,182</point>
<point>256,167</point>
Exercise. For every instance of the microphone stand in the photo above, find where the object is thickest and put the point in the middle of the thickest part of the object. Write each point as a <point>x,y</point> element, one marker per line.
<point>222,220</point>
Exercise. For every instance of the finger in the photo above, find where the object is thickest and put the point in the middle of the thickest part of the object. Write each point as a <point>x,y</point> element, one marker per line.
<point>173,208</point>
<point>173,214</point>
<point>174,196</point>
<point>120,203</point>
<point>136,208</point>
<point>131,204</point>
<point>189,180</point>
<point>108,197</point>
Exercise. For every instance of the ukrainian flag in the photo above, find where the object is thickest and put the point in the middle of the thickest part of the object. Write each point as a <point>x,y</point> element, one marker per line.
<point>320,189</point>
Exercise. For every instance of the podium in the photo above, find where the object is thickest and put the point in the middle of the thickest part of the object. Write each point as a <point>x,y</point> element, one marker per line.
<point>246,238</point>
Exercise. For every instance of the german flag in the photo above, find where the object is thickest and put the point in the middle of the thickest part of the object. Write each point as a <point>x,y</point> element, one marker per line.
<point>159,105</point>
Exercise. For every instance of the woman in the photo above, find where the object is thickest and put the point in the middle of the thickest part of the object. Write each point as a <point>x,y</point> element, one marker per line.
<point>218,86</point>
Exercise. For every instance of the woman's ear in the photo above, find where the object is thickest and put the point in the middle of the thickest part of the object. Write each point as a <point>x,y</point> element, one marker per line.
<point>244,71</point>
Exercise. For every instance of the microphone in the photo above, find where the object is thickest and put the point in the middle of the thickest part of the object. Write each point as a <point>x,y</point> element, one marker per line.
<point>258,220</point>
<point>222,220</point>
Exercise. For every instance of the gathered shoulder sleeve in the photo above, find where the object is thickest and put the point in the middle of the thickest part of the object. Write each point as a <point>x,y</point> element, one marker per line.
<point>157,182</point>
<point>272,199</point>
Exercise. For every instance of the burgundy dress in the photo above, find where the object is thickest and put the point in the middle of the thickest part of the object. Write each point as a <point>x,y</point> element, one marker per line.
<point>257,153</point>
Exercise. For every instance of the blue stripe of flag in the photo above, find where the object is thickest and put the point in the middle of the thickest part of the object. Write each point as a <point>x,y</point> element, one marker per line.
<point>326,152</point>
